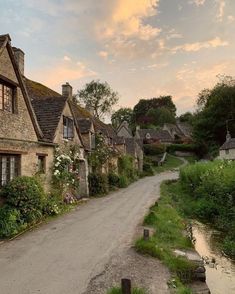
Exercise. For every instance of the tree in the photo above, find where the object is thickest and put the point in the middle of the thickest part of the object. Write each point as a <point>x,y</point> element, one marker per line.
<point>216,106</point>
<point>187,117</point>
<point>141,109</point>
<point>98,96</point>
<point>123,114</point>
<point>160,115</point>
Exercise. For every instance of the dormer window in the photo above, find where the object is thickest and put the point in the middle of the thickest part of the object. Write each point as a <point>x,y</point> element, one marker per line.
<point>68,132</point>
<point>6,97</point>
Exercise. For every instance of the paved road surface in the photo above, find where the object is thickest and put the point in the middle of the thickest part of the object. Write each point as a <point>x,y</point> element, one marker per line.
<point>62,256</point>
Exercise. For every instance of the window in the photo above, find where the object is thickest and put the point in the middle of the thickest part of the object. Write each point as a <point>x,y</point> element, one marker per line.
<point>6,97</point>
<point>9,168</point>
<point>68,128</point>
<point>41,164</point>
<point>227,151</point>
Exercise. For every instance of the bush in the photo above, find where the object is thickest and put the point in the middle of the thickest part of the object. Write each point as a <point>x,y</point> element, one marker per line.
<point>154,149</point>
<point>123,181</point>
<point>52,205</point>
<point>10,222</point>
<point>98,184</point>
<point>26,195</point>
<point>148,169</point>
<point>182,147</point>
<point>126,167</point>
<point>113,180</point>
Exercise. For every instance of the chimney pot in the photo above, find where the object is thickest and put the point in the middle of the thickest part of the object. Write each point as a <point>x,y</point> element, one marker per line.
<point>67,90</point>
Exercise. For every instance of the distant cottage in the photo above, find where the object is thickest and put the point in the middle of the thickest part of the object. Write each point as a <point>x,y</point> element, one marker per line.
<point>227,150</point>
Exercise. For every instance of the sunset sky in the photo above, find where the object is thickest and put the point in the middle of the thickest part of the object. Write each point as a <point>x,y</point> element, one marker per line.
<point>142,48</point>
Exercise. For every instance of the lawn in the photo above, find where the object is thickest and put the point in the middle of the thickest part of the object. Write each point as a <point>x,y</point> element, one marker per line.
<point>170,163</point>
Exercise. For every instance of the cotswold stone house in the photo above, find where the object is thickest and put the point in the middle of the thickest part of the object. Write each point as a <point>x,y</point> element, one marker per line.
<point>33,121</point>
<point>227,150</point>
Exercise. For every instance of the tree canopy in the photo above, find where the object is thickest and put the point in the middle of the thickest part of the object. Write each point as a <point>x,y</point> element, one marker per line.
<point>216,108</point>
<point>123,114</point>
<point>141,109</point>
<point>99,97</point>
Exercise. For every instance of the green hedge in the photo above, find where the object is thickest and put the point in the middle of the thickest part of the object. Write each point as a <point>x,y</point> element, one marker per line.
<point>154,149</point>
<point>182,147</point>
<point>126,168</point>
<point>98,184</point>
<point>113,180</point>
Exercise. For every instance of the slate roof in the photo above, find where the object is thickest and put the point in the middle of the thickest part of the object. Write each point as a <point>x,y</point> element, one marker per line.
<point>185,128</point>
<point>48,106</point>
<point>85,125</point>
<point>162,135</point>
<point>119,140</point>
<point>230,144</point>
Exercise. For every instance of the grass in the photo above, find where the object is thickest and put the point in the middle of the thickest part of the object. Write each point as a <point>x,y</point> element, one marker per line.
<point>117,290</point>
<point>191,159</point>
<point>169,235</point>
<point>170,163</point>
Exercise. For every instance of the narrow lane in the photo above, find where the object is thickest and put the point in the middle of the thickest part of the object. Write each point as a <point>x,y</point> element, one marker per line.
<point>63,255</point>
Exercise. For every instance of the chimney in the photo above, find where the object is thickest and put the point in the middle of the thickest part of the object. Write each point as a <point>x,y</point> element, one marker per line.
<point>67,90</point>
<point>19,57</point>
<point>228,136</point>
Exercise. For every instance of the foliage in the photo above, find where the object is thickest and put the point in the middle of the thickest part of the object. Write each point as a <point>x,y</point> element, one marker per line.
<point>207,193</point>
<point>66,168</point>
<point>161,115</point>
<point>171,162</point>
<point>187,117</point>
<point>169,226</point>
<point>123,181</point>
<point>126,167</point>
<point>148,169</point>
<point>123,114</point>
<point>154,149</point>
<point>98,96</point>
<point>141,109</point>
<point>26,195</point>
<point>10,221</point>
<point>113,179</point>
<point>182,147</point>
<point>100,155</point>
<point>117,290</point>
<point>215,107</point>
<point>98,184</point>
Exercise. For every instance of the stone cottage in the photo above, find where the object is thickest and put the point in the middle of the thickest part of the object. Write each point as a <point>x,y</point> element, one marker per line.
<point>33,121</point>
<point>227,150</point>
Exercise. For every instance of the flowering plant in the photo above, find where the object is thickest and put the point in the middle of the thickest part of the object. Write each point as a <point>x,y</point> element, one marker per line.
<point>66,168</point>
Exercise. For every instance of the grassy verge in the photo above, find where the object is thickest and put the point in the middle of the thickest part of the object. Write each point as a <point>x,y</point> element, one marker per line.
<point>169,235</point>
<point>170,163</point>
<point>117,290</point>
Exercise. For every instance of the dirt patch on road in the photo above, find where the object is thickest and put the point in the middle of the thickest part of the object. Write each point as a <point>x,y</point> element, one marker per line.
<point>144,272</point>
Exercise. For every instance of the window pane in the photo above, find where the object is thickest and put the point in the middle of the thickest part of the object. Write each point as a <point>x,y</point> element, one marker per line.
<point>8,94</point>
<point>4,171</point>
<point>1,96</point>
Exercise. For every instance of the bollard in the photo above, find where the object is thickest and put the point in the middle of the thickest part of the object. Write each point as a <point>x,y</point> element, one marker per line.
<point>126,286</point>
<point>146,234</point>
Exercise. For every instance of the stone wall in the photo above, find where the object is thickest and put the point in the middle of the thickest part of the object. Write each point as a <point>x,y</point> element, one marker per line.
<point>230,155</point>
<point>15,125</point>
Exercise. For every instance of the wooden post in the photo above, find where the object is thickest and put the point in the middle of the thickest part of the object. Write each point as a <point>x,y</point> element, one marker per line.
<point>146,234</point>
<point>126,286</point>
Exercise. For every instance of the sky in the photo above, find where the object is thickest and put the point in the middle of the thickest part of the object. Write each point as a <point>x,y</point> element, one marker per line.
<point>142,48</point>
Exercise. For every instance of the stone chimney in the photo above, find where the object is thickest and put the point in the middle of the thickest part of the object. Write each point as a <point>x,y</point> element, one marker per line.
<point>228,137</point>
<point>67,90</point>
<point>19,57</point>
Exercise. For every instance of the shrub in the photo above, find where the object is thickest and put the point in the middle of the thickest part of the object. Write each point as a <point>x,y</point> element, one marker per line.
<point>52,205</point>
<point>154,149</point>
<point>126,167</point>
<point>113,180</point>
<point>148,169</point>
<point>98,184</point>
<point>26,195</point>
<point>182,147</point>
<point>123,181</point>
<point>10,222</point>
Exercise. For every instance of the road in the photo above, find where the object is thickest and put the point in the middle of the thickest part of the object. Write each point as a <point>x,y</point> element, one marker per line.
<point>62,256</point>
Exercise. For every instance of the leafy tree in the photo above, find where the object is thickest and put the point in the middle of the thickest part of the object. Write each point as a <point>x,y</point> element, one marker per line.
<point>98,96</point>
<point>215,107</point>
<point>123,114</point>
<point>186,117</point>
<point>160,116</point>
<point>140,111</point>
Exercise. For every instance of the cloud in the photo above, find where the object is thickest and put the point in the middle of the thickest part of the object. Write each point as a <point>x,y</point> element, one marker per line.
<point>103,54</point>
<point>66,58</point>
<point>231,18</point>
<point>197,2</point>
<point>194,47</point>
<point>221,7</point>
<point>62,71</point>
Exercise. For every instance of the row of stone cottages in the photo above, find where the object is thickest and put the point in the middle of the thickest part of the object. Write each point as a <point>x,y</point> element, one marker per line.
<point>35,120</point>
